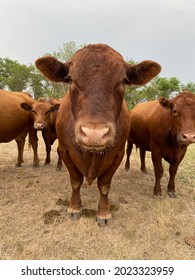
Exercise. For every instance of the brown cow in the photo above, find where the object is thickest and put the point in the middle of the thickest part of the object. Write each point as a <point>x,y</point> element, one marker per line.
<point>16,123</point>
<point>44,113</point>
<point>166,128</point>
<point>92,123</point>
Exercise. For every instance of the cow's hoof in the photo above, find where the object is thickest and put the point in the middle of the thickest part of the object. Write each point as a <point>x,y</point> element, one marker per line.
<point>75,216</point>
<point>172,194</point>
<point>159,194</point>
<point>58,168</point>
<point>102,222</point>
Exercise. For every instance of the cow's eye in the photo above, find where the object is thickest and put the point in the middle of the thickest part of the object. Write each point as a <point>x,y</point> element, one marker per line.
<point>33,112</point>
<point>174,111</point>
<point>47,113</point>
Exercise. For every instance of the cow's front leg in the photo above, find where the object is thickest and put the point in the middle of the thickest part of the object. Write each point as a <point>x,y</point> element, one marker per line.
<point>104,213</point>
<point>173,171</point>
<point>76,179</point>
<point>46,139</point>
<point>104,184</point>
<point>75,206</point>
<point>33,139</point>
<point>171,185</point>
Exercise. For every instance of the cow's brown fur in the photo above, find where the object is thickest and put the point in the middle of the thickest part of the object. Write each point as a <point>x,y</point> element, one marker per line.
<point>92,123</point>
<point>16,123</point>
<point>166,128</point>
<point>44,114</point>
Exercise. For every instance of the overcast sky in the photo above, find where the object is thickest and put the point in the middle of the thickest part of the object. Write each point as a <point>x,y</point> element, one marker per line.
<point>161,30</point>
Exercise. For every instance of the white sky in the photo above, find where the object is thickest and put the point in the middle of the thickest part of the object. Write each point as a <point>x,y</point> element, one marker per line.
<point>162,30</point>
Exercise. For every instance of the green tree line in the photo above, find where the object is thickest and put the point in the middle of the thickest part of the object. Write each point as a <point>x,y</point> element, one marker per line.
<point>20,77</point>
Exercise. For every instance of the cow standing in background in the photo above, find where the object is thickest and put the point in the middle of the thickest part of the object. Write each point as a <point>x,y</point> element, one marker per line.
<point>165,127</point>
<point>16,123</point>
<point>92,123</point>
<point>44,114</point>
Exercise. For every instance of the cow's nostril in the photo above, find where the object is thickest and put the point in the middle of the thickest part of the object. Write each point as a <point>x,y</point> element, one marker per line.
<point>184,136</point>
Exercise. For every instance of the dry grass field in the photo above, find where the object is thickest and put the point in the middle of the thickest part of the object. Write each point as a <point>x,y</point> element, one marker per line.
<point>34,223</point>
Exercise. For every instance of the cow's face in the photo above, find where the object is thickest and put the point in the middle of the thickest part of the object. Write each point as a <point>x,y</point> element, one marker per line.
<point>42,111</point>
<point>182,111</point>
<point>97,76</point>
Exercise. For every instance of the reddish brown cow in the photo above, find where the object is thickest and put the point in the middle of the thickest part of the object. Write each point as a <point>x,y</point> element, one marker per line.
<point>166,128</point>
<point>92,123</point>
<point>16,123</point>
<point>44,113</point>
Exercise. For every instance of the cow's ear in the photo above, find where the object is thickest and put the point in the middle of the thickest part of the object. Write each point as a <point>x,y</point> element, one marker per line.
<point>53,69</point>
<point>140,74</point>
<point>165,102</point>
<point>25,106</point>
<point>55,107</point>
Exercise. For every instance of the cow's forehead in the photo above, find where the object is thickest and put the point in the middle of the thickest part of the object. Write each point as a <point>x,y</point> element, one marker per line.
<point>97,58</point>
<point>98,51</point>
<point>41,106</point>
<point>185,99</point>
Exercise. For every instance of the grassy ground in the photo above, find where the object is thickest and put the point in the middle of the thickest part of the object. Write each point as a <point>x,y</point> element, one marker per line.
<point>34,223</point>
